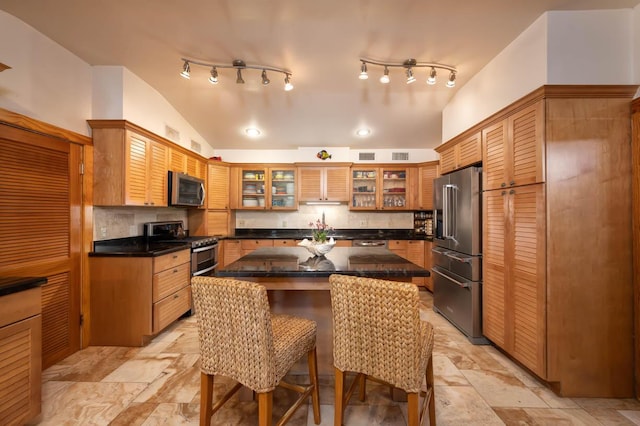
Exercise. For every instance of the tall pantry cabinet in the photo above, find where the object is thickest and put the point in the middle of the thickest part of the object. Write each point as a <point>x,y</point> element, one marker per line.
<point>557,290</point>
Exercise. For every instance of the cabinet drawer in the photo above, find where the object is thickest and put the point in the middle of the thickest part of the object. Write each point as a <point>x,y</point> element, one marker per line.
<point>170,308</point>
<point>284,243</point>
<point>255,244</point>
<point>397,244</point>
<point>171,260</point>
<point>170,280</point>
<point>18,306</point>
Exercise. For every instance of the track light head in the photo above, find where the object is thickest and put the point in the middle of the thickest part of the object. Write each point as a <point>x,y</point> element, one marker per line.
<point>287,83</point>
<point>363,72</point>
<point>265,79</point>
<point>410,77</point>
<point>385,77</point>
<point>452,79</point>
<point>214,76</point>
<point>239,79</point>
<point>186,70</point>
<point>432,76</point>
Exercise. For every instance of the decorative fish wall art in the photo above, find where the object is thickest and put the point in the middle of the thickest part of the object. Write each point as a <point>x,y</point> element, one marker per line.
<point>323,155</point>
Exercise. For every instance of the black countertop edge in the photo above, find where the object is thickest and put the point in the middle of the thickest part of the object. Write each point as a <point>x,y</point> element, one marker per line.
<point>342,234</point>
<point>135,247</point>
<point>9,285</point>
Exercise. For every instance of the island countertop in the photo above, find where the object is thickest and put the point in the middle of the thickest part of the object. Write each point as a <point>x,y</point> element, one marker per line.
<point>289,262</point>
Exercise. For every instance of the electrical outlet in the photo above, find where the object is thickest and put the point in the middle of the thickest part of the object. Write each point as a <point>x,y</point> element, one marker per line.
<point>284,223</point>
<point>241,223</point>
<point>363,222</point>
<point>103,231</point>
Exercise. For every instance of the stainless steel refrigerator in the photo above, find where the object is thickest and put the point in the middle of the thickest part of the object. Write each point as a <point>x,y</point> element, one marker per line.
<point>457,251</point>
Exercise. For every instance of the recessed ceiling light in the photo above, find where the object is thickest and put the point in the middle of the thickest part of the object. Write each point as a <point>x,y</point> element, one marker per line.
<point>252,132</point>
<point>363,132</point>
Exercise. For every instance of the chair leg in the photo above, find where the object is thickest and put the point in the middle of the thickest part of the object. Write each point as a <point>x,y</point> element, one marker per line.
<point>339,397</point>
<point>312,360</point>
<point>362,379</point>
<point>413,408</point>
<point>206,399</point>
<point>432,396</point>
<point>265,408</point>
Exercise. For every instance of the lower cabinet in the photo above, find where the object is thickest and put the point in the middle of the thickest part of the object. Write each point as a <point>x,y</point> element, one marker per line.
<point>413,251</point>
<point>428,281</point>
<point>20,356</point>
<point>134,298</point>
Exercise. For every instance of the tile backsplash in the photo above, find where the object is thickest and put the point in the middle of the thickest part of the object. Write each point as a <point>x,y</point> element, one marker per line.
<point>339,217</point>
<point>122,222</point>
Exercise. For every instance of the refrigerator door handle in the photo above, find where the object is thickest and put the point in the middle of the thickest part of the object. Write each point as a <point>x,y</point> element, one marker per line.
<point>458,258</point>
<point>461,284</point>
<point>448,211</point>
<point>439,250</point>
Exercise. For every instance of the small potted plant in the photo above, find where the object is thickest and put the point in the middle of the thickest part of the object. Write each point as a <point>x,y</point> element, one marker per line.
<point>320,243</point>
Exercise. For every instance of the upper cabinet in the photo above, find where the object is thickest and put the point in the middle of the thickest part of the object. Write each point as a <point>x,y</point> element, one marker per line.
<point>181,161</point>
<point>270,187</point>
<point>379,188</point>
<point>513,152</point>
<point>460,152</point>
<point>218,187</point>
<point>427,172</point>
<point>319,183</point>
<point>130,169</point>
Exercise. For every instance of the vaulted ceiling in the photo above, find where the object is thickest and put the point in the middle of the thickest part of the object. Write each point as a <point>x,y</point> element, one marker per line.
<point>320,42</point>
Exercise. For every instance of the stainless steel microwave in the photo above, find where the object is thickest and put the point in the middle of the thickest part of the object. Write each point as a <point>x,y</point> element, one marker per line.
<point>185,190</point>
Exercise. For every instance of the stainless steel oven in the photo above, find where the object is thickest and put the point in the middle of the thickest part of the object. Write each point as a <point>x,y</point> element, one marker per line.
<point>204,257</point>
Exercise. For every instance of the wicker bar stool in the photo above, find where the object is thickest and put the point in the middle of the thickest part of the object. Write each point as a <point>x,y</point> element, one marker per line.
<point>241,339</point>
<point>378,334</point>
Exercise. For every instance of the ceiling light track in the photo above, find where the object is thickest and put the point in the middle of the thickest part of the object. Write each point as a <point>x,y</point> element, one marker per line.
<point>409,65</point>
<point>239,65</point>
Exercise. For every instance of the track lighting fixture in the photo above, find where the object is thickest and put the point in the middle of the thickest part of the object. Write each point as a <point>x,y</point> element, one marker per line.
<point>363,72</point>
<point>239,66</point>
<point>385,77</point>
<point>214,76</point>
<point>186,70</point>
<point>409,65</point>
<point>452,79</point>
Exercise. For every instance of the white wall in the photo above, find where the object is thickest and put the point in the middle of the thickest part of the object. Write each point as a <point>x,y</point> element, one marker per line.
<point>309,155</point>
<point>46,81</point>
<point>560,47</point>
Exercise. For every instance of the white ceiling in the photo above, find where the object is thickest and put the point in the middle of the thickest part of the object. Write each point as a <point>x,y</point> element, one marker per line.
<point>319,41</point>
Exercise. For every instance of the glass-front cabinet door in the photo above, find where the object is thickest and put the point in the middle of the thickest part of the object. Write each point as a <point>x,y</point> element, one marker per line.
<point>364,187</point>
<point>283,188</point>
<point>394,188</point>
<point>253,185</point>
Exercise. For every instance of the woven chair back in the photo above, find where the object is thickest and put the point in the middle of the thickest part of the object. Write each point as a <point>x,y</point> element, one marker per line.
<point>377,329</point>
<point>235,332</point>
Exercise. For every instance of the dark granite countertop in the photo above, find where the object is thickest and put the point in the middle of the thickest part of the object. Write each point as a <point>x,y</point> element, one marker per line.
<point>339,234</point>
<point>135,247</point>
<point>9,285</point>
<point>298,262</point>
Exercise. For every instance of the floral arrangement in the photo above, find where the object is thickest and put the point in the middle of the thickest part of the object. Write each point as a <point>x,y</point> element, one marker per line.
<point>320,231</point>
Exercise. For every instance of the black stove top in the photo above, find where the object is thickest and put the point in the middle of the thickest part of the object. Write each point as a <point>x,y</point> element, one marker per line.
<point>170,232</point>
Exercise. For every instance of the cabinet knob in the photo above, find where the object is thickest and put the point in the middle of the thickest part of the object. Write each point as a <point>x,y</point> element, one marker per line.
<point>513,191</point>
<point>175,296</point>
<point>175,256</point>
<point>502,185</point>
<point>175,271</point>
<point>503,193</point>
<point>513,182</point>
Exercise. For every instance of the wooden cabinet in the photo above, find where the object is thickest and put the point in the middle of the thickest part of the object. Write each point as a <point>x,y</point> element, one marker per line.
<point>413,251</point>
<point>268,188</point>
<point>379,188</point>
<point>20,356</point>
<point>428,263</point>
<point>323,183</point>
<point>427,172</point>
<point>134,298</point>
<point>232,251</point>
<point>513,152</point>
<point>460,152</point>
<point>250,245</point>
<point>514,282</point>
<point>181,161</point>
<point>557,276</point>
<point>218,187</point>
<point>129,169</point>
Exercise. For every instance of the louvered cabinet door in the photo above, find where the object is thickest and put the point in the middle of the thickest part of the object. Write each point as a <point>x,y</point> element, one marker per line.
<point>447,160</point>
<point>528,281</point>
<point>469,151</point>
<point>494,156</point>
<point>218,187</point>
<point>495,208</point>
<point>336,183</point>
<point>425,182</point>
<point>136,170</point>
<point>527,147</point>
<point>311,184</point>
<point>158,175</point>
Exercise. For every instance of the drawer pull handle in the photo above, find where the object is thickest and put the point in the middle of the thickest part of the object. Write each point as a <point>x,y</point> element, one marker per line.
<point>175,271</point>
<point>175,296</point>
<point>175,256</point>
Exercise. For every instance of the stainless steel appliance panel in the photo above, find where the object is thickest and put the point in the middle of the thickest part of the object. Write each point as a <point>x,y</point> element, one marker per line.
<point>457,214</point>
<point>468,267</point>
<point>459,301</point>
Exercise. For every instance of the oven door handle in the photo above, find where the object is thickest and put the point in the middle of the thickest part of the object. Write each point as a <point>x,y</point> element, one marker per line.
<point>204,271</point>
<point>461,284</point>
<point>205,248</point>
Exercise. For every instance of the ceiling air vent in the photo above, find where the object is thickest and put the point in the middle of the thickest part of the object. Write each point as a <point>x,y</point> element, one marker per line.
<point>399,156</point>
<point>171,133</point>
<point>366,156</point>
<point>195,146</point>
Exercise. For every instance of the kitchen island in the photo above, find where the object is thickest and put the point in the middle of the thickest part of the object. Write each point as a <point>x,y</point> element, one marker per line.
<point>297,282</point>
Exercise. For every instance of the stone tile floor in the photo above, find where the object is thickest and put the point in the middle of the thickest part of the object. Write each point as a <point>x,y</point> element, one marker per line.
<point>160,385</point>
